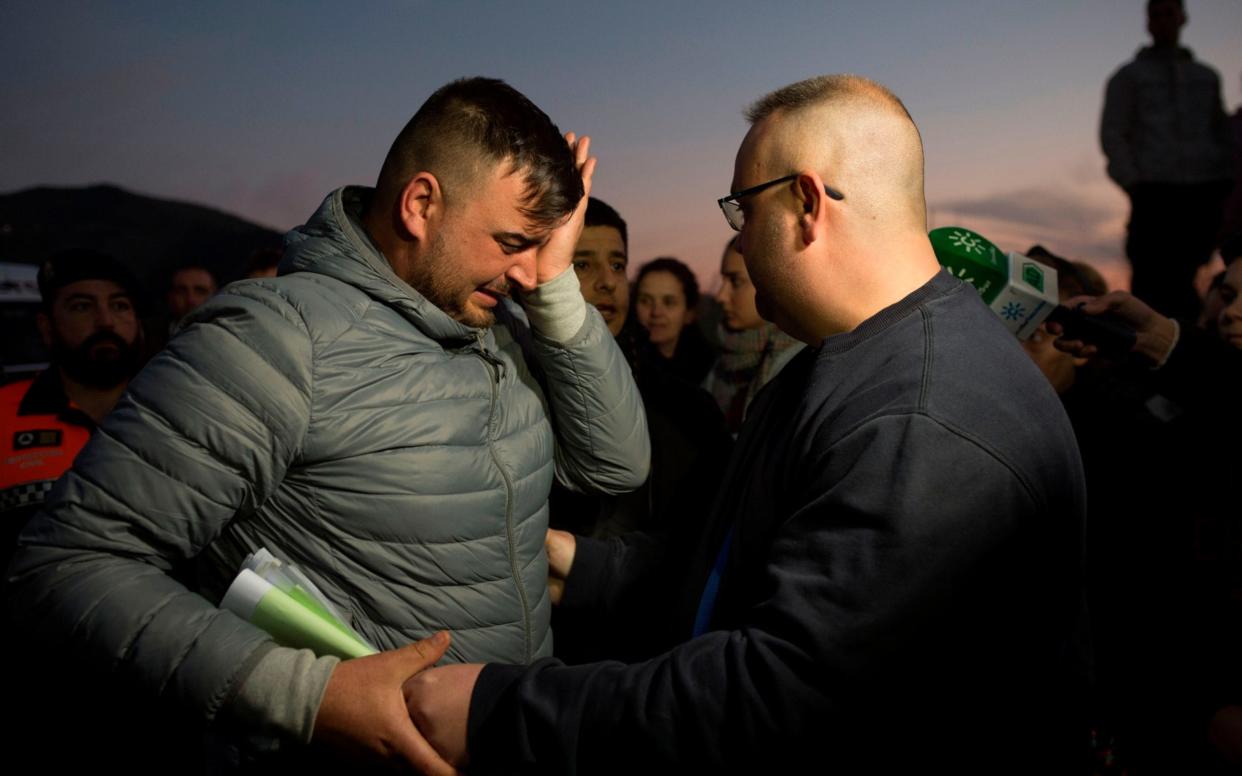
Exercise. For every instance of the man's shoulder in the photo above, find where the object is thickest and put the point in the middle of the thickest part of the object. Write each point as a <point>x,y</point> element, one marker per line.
<point>1203,72</point>
<point>985,387</point>
<point>972,352</point>
<point>949,358</point>
<point>1149,64</point>
<point>11,394</point>
<point>1127,70</point>
<point>882,367</point>
<point>304,291</point>
<point>317,305</point>
<point>973,379</point>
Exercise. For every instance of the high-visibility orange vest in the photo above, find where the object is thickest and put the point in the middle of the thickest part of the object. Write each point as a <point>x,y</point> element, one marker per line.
<point>35,449</point>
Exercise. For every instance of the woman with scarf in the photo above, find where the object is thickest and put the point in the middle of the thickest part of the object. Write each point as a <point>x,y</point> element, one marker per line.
<point>753,351</point>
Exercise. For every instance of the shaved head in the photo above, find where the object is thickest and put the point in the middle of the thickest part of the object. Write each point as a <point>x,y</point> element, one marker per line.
<point>856,133</point>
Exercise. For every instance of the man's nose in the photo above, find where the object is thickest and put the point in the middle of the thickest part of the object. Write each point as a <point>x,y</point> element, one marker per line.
<point>105,318</point>
<point>739,242</point>
<point>523,271</point>
<point>605,281</point>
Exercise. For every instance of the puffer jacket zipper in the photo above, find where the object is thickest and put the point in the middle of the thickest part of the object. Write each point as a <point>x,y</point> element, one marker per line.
<point>496,368</point>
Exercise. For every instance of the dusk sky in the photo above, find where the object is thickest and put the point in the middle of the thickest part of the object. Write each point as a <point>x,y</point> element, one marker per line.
<point>261,108</point>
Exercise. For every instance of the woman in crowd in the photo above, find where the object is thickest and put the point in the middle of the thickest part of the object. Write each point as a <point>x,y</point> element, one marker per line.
<point>752,350</point>
<point>666,299</point>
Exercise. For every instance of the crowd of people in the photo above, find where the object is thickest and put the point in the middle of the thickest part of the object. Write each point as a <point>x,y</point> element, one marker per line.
<point>595,520</point>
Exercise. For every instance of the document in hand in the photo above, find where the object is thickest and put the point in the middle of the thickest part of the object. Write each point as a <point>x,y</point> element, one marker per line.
<point>277,597</point>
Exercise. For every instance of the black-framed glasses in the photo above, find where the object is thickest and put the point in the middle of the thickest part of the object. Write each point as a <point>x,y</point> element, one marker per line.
<point>733,211</point>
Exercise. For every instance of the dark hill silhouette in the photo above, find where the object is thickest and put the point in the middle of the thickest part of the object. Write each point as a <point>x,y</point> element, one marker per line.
<point>153,236</point>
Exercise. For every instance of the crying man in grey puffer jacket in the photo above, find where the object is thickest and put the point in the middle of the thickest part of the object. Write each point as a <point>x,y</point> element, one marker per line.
<point>388,413</point>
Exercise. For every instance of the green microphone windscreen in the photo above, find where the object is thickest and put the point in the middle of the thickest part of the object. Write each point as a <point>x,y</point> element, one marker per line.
<point>1019,289</point>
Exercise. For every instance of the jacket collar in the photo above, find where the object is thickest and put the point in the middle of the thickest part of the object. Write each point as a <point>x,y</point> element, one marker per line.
<point>334,243</point>
<point>46,396</point>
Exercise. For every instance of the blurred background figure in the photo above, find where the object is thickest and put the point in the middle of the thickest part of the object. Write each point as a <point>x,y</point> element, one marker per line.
<point>89,323</point>
<point>1212,304</point>
<point>1229,298</point>
<point>1231,226</point>
<point>263,263</point>
<point>666,299</point>
<point>1168,144</point>
<point>753,351</point>
<point>188,288</point>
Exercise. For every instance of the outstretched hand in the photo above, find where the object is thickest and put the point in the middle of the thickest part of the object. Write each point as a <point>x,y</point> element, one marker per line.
<point>363,712</point>
<point>1156,334</point>
<point>557,253</point>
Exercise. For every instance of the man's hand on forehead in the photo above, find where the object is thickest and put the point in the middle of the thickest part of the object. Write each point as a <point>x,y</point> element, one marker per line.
<point>557,254</point>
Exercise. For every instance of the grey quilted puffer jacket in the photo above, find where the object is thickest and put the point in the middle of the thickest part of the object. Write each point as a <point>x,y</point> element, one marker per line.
<point>336,417</point>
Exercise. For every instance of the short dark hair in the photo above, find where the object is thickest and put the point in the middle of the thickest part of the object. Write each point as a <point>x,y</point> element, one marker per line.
<point>1180,3</point>
<point>475,119</point>
<point>684,275</point>
<point>192,266</point>
<point>600,213</point>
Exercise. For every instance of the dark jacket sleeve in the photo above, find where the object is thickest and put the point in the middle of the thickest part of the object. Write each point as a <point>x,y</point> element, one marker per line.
<point>871,551</point>
<point>204,433</point>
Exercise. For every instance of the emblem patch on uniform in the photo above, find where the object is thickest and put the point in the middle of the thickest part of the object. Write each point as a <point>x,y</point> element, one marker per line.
<point>36,437</point>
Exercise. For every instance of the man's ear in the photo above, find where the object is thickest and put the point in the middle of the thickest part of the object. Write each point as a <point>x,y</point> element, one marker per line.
<point>815,205</point>
<point>44,325</point>
<point>420,201</point>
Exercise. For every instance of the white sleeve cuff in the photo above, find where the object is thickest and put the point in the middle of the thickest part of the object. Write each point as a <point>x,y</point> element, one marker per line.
<point>556,309</point>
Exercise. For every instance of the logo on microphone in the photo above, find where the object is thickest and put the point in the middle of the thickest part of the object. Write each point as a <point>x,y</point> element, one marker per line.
<point>966,241</point>
<point>1013,311</point>
<point>1033,275</point>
